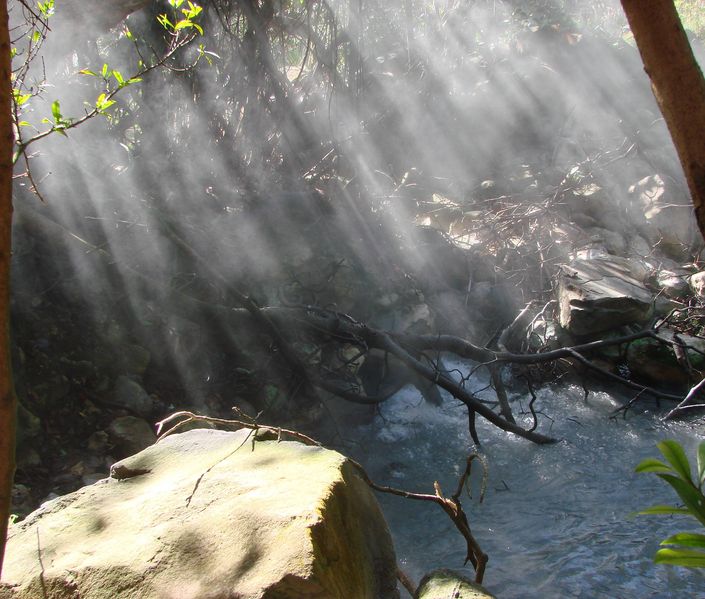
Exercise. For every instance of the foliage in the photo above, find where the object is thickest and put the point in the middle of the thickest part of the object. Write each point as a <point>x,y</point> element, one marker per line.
<point>181,29</point>
<point>685,548</point>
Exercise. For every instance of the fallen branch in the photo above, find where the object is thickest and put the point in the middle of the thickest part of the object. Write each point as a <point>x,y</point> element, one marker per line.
<point>451,506</point>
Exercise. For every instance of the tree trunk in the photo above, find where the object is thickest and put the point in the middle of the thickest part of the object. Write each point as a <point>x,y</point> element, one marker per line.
<point>677,83</point>
<point>8,403</point>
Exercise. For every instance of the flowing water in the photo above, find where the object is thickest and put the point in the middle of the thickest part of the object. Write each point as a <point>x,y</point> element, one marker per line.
<point>555,520</point>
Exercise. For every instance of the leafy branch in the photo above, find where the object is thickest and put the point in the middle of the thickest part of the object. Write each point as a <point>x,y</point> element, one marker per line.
<point>181,33</point>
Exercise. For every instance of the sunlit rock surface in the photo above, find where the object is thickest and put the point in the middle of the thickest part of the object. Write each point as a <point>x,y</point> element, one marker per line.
<point>446,584</point>
<point>207,514</point>
<point>600,295</point>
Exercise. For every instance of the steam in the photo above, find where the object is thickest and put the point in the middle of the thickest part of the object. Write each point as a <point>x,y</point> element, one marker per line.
<point>473,102</point>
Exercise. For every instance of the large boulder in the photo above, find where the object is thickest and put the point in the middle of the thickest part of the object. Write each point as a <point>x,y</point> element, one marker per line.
<point>602,294</point>
<point>209,514</point>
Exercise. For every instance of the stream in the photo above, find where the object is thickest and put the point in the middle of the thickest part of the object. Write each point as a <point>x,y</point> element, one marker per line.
<point>555,520</point>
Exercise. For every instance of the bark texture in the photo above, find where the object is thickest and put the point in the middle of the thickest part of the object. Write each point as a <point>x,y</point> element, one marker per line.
<point>677,83</point>
<point>8,403</point>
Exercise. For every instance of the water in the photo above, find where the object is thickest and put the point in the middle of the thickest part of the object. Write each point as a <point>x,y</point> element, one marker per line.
<point>555,520</point>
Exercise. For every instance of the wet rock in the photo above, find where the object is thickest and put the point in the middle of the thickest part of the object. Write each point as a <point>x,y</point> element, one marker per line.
<point>130,395</point>
<point>130,435</point>
<point>601,294</point>
<point>447,584</point>
<point>274,520</point>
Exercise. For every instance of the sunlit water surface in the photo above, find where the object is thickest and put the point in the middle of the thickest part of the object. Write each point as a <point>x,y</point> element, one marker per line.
<point>555,520</point>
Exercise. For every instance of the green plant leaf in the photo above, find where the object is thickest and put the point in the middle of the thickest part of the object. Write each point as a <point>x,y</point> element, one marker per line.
<point>19,97</point>
<point>104,72</point>
<point>686,539</point>
<point>87,72</point>
<point>56,111</point>
<point>691,497</point>
<point>680,557</point>
<point>653,465</point>
<point>675,455</point>
<point>165,22</point>
<point>701,464</point>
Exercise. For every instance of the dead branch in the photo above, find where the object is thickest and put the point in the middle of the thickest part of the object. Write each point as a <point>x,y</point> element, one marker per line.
<point>186,417</point>
<point>451,506</point>
<point>690,401</point>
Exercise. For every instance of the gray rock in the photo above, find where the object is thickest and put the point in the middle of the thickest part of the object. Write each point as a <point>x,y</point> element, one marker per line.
<point>667,212</point>
<point>612,241</point>
<point>697,283</point>
<point>130,435</point>
<point>640,247</point>
<point>601,294</point>
<point>447,584</point>
<point>130,395</point>
<point>208,514</point>
<point>673,284</point>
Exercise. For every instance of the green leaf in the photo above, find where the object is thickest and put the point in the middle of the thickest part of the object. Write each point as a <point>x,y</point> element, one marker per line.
<point>19,97</point>
<point>165,22</point>
<point>23,124</point>
<point>680,557</point>
<point>652,465</point>
<point>102,103</point>
<point>104,72</point>
<point>46,8</point>
<point>192,11</point>
<point>36,36</point>
<point>119,78</point>
<point>184,24</point>
<point>691,497</point>
<point>701,464</point>
<point>134,80</point>
<point>663,509</point>
<point>686,539</point>
<point>675,455</point>
<point>56,111</point>
<point>87,72</point>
